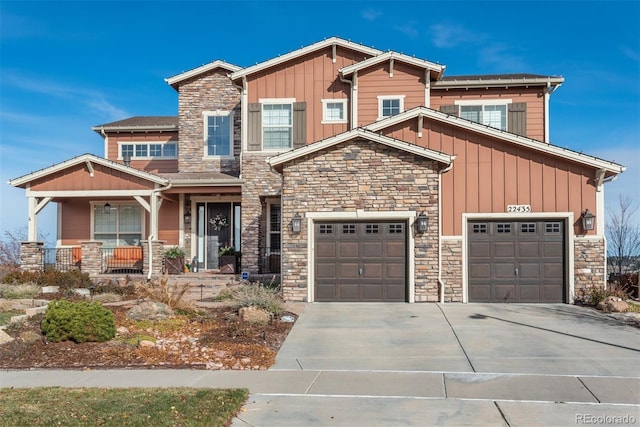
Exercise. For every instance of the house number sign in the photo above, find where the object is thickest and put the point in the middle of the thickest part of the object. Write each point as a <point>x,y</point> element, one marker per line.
<point>519,208</point>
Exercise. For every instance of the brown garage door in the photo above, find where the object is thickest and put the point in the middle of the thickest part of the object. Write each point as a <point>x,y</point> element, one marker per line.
<point>360,261</point>
<point>516,261</point>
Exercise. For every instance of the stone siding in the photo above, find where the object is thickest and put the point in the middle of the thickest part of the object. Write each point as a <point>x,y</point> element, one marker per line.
<point>158,249</point>
<point>260,183</point>
<point>451,274</point>
<point>31,256</point>
<point>91,257</point>
<point>208,92</point>
<point>589,264</point>
<point>359,175</point>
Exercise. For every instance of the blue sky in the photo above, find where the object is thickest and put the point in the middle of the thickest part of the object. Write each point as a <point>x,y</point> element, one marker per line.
<point>68,66</point>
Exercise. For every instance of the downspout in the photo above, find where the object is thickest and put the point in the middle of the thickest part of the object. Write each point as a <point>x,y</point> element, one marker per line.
<point>154,195</point>
<point>350,83</point>
<point>441,284</point>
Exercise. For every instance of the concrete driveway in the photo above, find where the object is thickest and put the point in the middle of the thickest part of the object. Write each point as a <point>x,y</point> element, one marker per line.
<point>554,339</point>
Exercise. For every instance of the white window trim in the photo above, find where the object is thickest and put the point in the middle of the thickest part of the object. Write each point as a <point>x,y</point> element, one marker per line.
<point>342,101</point>
<point>387,97</point>
<point>264,101</point>
<point>147,143</point>
<point>217,113</point>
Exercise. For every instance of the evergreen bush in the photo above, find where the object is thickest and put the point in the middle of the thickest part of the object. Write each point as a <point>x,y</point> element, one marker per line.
<point>78,321</point>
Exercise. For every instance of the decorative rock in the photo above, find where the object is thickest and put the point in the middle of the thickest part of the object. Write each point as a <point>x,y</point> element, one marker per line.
<point>50,289</point>
<point>122,330</point>
<point>254,315</point>
<point>146,343</point>
<point>613,304</point>
<point>150,310</point>
<point>5,337</point>
<point>29,337</point>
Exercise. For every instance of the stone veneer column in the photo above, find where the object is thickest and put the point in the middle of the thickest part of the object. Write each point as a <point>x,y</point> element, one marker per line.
<point>590,263</point>
<point>91,257</point>
<point>157,250</point>
<point>452,269</point>
<point>31,256</point>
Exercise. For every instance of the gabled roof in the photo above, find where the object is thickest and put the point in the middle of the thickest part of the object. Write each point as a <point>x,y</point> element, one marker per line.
<point>173,81</point>
<point>89,159</point>
<point>140,123</point>
<point>497,80</point>
<point>365,134</point>
<point>611,167</point>
<point>350,69</point>
<point>304,51</point>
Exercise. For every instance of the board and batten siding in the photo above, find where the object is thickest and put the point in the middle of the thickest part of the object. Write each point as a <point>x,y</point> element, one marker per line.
<point>75,224</point>
<point>532,97</point>
<point>77,178</point>
<point>149,165</point>
<point>309,78</point>
<point>376,81</point>
<point>488,175</point>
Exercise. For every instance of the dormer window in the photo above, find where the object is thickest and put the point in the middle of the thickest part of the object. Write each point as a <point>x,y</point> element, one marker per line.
<point>218,134</point>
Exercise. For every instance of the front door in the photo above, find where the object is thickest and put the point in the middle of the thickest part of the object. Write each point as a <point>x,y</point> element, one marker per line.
<point>215,229</point>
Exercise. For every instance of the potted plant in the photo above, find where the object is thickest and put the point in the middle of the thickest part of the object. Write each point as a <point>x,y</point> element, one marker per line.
<point>174,260</point>
<point>228,259</point>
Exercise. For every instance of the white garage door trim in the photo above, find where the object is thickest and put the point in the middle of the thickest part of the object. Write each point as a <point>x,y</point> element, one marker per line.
<point>408,216</point>
<point>568,216</point>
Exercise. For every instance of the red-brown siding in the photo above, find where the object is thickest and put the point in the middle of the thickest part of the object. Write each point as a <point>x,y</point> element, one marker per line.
<point>153,166</point>
<point>78,178</point>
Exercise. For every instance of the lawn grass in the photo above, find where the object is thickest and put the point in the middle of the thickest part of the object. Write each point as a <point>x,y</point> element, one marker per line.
<point>48,406</point>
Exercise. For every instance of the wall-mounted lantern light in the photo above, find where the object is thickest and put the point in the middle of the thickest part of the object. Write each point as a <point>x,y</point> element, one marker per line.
<point>422,222</point>
<point>296,224</point>
<point>126,159</point>
<point>187,217</point>
<point>588,220</point>
<point>107,208</point>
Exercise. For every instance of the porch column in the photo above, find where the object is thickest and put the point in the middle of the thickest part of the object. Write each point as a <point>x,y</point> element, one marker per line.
<point>157,256</point>
<point>91,257</point>
<point>32,223</point>
<point>31,256</point>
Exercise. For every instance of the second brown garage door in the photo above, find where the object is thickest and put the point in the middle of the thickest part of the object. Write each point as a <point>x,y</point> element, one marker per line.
<point>516,261</point>
<point>360,261</point>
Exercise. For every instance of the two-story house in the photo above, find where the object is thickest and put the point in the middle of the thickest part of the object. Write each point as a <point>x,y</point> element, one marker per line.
<point>357,174</point>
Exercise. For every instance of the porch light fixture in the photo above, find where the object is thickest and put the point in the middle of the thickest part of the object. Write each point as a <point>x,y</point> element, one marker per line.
<point>422,222</point>
<point>296,223</point>
<point>126,159</point>
<point>588,220</point>
<point>187,217</point>
<point>107,208</point>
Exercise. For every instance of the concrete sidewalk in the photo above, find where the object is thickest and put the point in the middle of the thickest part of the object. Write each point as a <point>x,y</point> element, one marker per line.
<point>380,398</point>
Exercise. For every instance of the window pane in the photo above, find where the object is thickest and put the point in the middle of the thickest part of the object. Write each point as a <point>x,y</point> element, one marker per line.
<point>131,239</point>
<point>127,150</point>
<point>155,150</point>
<point>390,107</point>
<point>276,114</point>
<point>141,150</point>
<point>170,150</point>
<point>335,111</point>
<point>274,218</point>
<point>108,240</point>
<point>130,218</point>
<point>277,138</point>
<point>495,116</point>
<point>105,222</point>
<point>218,136</point>
<point>471,112</point>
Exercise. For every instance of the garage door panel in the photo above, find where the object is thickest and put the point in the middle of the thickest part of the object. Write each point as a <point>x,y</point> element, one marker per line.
<point>504,249</point>
<point>372,292</point>
<point>348,291</point>
<point>348,249</point>
<point>348,270</point>
<point>326,270</point>
<point>372,271</point>
<point>372,249</point>
<point>395,249</point>
<point>395,270</point>
<point>325,249</point>
<point>325,292</point>
<point>504,270</point>
<point>516,260</point>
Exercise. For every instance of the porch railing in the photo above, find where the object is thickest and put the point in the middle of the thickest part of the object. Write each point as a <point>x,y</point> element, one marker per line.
<point>62,259</point>
<point>269,260</point>
<point>122,259</point>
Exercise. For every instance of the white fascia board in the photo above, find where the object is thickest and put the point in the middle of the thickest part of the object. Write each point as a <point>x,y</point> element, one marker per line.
<point>90,193</point>
<point>206,183</point>
<point>524,81</point>
<point>499,134</point>
<point>135,128</point>
<point>202,69</point>
<point>82,159</point>
<point>345,71</point>
<point>360,133</point>
<point>304,51</point>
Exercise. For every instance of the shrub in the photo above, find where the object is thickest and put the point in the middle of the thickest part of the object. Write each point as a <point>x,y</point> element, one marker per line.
<point>257,295</point>
<point>24,290</point>
<point>78,321</point>
<point>71,279</point>
<point>160,290</point>
<point>595,294</point>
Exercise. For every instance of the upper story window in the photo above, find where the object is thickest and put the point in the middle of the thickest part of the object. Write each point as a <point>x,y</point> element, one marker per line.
<point>390,105</point>
<point>334,111</point>
<point>491,113</point>
<point>149,150</point>
<point>218,133</point>
<point>277,124</point>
